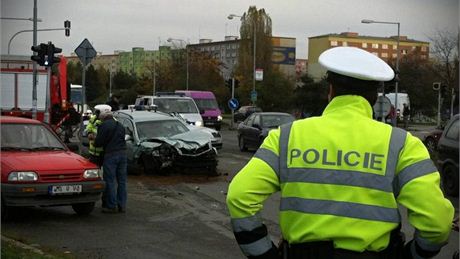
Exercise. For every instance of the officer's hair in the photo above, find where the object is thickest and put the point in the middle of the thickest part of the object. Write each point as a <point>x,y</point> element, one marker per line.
<point>345,85</point>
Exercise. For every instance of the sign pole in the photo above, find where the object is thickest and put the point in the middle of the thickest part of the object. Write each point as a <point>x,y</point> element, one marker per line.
<point>46,117</point>
<point>233,96</point>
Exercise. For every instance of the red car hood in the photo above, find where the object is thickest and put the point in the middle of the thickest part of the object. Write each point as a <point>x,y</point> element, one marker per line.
<point>44,161</point>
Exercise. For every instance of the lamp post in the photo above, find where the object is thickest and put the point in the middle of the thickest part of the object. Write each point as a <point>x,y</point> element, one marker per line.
<point>230,17</point>
<point>186,56</point>
<point>397,63</point>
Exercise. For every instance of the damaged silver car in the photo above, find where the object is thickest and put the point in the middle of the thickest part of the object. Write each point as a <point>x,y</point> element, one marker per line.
<point>159,143</point>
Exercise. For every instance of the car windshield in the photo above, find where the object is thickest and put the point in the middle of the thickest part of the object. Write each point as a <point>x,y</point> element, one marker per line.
<point>205,104</point>
<point>178,105</point>
<point>271,121</point>
<point>158,129</point>
<point>28,137</point>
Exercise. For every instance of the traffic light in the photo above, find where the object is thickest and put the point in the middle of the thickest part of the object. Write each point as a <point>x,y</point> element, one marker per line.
<point>228,83</point>
<point>67,28</point>
<point>436,86</point>
<point>51,59</point>
<point>40,56</point>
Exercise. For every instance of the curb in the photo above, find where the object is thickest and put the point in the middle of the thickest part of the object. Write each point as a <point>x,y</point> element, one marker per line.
<point>25,246</point>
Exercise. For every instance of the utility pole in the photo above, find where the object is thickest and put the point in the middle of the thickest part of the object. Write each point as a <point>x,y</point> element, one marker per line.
<point>34,65</point>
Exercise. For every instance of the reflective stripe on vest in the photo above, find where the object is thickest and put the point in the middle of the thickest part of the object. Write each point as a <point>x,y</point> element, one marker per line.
<point>347,178</point>
<point>425,244</point>
<point>260,242</point>
<point>413,171</point>
<point>270,158</point>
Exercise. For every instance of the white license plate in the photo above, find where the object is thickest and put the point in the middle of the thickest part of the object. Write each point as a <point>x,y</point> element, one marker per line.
<point>65,189</point>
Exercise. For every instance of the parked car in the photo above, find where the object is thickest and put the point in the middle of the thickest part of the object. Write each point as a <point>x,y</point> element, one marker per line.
<point>431,140</point>
<point>38,169</point>
<point>172,103</point>
<point>207,103</point>
<point>253,131</point>
<point>244,111</point>
<point>448,156</point>
<point>158,142</point>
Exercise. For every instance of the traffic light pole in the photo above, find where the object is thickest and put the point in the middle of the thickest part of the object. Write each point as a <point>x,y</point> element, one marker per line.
<point>46,118</point>
<point>34,66</point>
<point>438,124</point>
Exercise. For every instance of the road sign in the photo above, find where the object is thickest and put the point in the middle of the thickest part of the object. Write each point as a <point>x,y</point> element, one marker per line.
<point>253,95</point>
<point>233,104</point>
<point>259,74</point>
<point>382,106</point>
<point>85,52</point>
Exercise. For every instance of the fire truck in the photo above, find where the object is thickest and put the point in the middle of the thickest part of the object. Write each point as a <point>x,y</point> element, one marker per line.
<point>16,94</point>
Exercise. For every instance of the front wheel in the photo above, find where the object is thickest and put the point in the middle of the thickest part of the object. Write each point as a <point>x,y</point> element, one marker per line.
<point>83,208</point>
<point>450,180</point>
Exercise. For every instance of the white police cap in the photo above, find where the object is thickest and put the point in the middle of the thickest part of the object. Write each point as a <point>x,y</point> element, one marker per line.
<point>103,108</point>
<point>356,63</point>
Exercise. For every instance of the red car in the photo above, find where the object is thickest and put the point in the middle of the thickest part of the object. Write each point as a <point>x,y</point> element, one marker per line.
<point>38,169</point>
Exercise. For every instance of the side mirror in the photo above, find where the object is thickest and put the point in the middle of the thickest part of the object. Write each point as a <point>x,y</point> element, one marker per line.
<point>255,125</point>
<point>128,137</point>
<point>73,147</point>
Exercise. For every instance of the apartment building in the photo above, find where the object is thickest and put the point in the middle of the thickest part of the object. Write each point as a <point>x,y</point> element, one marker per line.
<point>383,47</point>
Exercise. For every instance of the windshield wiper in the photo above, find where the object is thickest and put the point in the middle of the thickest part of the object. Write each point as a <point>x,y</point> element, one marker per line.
<point>16,148</point>
<point>46,148</point>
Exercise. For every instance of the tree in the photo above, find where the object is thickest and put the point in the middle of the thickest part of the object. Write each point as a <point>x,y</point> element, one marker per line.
<point>311,97</point>
<point>259,22</point>
<point>276,93</point>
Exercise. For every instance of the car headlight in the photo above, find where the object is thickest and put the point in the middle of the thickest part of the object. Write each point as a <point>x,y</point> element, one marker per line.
<point>198,123</point>
<point>92,173</point>
<point>22,177</point>
<point>219,118</point>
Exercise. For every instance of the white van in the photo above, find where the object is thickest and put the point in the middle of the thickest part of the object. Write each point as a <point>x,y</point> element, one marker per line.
<point>403,98</point>
<point>170,103</point>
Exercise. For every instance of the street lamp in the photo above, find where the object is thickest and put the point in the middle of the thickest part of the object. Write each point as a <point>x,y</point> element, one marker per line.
<point>397,62</point>
<point>230,17</point>
<point>186,56</point>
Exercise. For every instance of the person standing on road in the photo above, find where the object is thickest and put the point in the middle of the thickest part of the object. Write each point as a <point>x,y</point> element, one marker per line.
<point>95,154</point>
<point>406,115</point>
<point>111,137</point>
<point>114,103</point>
<point>341,177</point>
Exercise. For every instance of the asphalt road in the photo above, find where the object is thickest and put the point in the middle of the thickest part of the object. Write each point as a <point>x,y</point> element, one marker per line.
<point>179,216</point>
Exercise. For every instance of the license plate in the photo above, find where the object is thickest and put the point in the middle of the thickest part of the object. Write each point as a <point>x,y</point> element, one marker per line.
<point>63,189</point>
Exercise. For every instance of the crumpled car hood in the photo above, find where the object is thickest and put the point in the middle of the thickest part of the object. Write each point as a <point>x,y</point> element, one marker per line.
<point>188,140</point>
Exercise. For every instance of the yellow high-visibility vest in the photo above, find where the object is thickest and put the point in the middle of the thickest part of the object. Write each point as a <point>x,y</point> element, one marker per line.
<point>341,178</point>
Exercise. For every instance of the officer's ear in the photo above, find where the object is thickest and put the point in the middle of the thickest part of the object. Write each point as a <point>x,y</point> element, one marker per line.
<point>331,93</point>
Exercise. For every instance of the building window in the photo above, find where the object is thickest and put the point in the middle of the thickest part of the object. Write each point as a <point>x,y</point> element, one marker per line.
<point>423,56</point>
<point>375,45</point>
<point>413,48</point>
<point>394,55</point>
<point>404,51</point>
<point>228,54</point>
<point>384,46</point>
<point>375,53</point>
<point>384,55</point>
<point>423,48</point>
<point>395,46</point>
<point>234,46</point>
<point>344,43</point>
<point>334,43</point>
<point>234,54</point>
<point>228,46</point>
<point>364,44</point>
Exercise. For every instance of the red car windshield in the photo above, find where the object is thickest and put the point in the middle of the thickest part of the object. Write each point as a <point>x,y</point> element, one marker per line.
<point>28,137</point>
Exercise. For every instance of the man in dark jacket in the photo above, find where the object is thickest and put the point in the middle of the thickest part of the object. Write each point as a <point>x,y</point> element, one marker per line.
<point>111,137</point>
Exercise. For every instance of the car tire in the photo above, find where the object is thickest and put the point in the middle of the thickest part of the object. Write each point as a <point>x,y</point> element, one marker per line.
<point>83,209</point>
<point>430,144</point>
<point>449,176</point>
<point>241,144</point>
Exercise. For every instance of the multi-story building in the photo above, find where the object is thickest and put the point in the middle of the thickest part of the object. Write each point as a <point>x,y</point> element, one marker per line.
<point>283,56</point>
<point>383,47</point>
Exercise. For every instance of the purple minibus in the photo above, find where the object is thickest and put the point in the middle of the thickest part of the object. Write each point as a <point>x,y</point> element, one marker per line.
<point>209,110</point>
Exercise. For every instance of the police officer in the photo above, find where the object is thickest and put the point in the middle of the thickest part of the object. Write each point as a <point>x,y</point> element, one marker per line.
<point>93,123</point>
<point>342,176</point>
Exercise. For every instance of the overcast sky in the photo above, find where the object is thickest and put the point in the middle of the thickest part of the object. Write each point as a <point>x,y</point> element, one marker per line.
<point>122,24</point>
